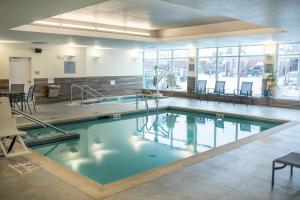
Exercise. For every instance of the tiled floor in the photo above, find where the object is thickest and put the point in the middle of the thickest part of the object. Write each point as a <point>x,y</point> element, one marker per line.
<point>243,173</point>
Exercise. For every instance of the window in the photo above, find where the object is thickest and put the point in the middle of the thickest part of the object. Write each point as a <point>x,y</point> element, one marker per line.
<point>288,75</point>
<point>208,52</point>
<point>252,67</point>
<point>227,71</point>
<point>288,49</point>
<point>176,60</point>
<point>149,63</point>
<point>251,70</point>
<point>164,61</point>
<point>180,69</point>
<point>228,67</point>
<point>252,50</point>
<point>207,66</point>
<point>228,51</point>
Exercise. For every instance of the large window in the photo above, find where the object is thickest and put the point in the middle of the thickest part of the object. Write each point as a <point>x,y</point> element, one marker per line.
<point>164,62</point>
<point>288,71</point>
<point>207,67</point>
<point>149,63</point>
<point>178,63</point>
<point>228,67</point>
<point>180,69</point>
<point>233,65</point>
<point>252,67</point>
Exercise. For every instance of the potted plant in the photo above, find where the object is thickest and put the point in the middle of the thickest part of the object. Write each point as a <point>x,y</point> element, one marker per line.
<point>271,84</point>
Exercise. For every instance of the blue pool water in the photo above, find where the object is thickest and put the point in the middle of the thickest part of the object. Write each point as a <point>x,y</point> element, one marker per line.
<point>111,149</point>
<point>122,99</point>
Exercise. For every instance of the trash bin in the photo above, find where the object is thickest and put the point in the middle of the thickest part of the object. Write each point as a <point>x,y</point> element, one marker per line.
<point>53,90</point>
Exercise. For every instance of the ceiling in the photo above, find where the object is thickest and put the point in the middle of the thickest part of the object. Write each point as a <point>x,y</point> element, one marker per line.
<point>152,15</point>
<point>143,14</point>
<point>14,13</point>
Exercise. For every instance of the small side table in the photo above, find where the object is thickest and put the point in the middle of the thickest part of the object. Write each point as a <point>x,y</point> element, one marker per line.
<point>291,159</point>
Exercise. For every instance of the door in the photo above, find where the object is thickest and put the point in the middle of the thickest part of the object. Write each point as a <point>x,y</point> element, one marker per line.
<point>20,71</point>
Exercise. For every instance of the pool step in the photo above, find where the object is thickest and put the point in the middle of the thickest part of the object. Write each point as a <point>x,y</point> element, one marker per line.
<point>51,139</point>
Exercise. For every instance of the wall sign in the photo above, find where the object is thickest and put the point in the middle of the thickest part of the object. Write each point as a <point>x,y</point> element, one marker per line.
<point>69,67</point>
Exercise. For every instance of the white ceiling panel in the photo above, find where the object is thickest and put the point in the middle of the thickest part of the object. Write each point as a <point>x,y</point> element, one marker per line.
<point>143,14</point>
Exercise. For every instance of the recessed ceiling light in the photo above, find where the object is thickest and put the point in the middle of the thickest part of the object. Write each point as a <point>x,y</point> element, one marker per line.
<point>110,30</point>
<point>47,23</point>
<point>78,26</point>
<point>91,28</point>
<point>138,33</point>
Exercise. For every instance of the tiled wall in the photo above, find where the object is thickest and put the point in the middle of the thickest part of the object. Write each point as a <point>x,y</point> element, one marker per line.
<point>124,85</point>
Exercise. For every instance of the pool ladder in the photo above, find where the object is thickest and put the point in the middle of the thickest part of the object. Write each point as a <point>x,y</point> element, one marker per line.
<point>145,96</point>
<point>88,90</point>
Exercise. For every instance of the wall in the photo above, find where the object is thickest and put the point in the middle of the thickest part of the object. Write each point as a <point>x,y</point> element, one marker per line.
<point>124,62</point>
<point>47,63</point>
<point>89,61</point>
<point>93,66</point>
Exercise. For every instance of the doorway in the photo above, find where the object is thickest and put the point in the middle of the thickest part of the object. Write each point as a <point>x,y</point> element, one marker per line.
<point>20,71</point>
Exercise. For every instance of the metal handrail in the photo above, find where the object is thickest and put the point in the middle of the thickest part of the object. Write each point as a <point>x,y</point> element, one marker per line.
<point>82,89</point>
<point>155,97</point>
<point>33,119</point>
<point>97,92</point>
<point>145,124</point>
<point>145,97</point>
<point>30,119</point>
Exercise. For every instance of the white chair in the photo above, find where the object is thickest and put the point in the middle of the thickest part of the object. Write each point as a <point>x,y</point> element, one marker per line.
<point>9,133</point>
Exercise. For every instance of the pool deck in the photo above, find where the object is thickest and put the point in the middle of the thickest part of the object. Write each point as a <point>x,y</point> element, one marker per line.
<point>240,170</point>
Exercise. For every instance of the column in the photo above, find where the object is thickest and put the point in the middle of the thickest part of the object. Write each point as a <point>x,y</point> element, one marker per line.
<point>191,79</point>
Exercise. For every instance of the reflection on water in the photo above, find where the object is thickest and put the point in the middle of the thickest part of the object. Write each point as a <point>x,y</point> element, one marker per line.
<point>112,149</point>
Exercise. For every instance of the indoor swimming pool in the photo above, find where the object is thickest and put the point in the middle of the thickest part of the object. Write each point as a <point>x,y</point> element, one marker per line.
<point>114,148</point>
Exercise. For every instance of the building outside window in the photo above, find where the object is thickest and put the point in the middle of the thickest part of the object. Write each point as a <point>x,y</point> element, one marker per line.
<point>288,86</point>
<point>252,67</point>
<point>207,67</point>
<point>150,58</point>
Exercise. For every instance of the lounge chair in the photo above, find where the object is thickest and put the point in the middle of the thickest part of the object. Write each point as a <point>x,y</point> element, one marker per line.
<point>201,89</point>
<point>245,91</point>
<point>291,159</point>
<point>219,89</point>
<point>9,133</point>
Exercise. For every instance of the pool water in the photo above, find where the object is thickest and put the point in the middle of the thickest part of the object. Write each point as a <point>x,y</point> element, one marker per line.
<point>111,149</point>
<point>121,99</point>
